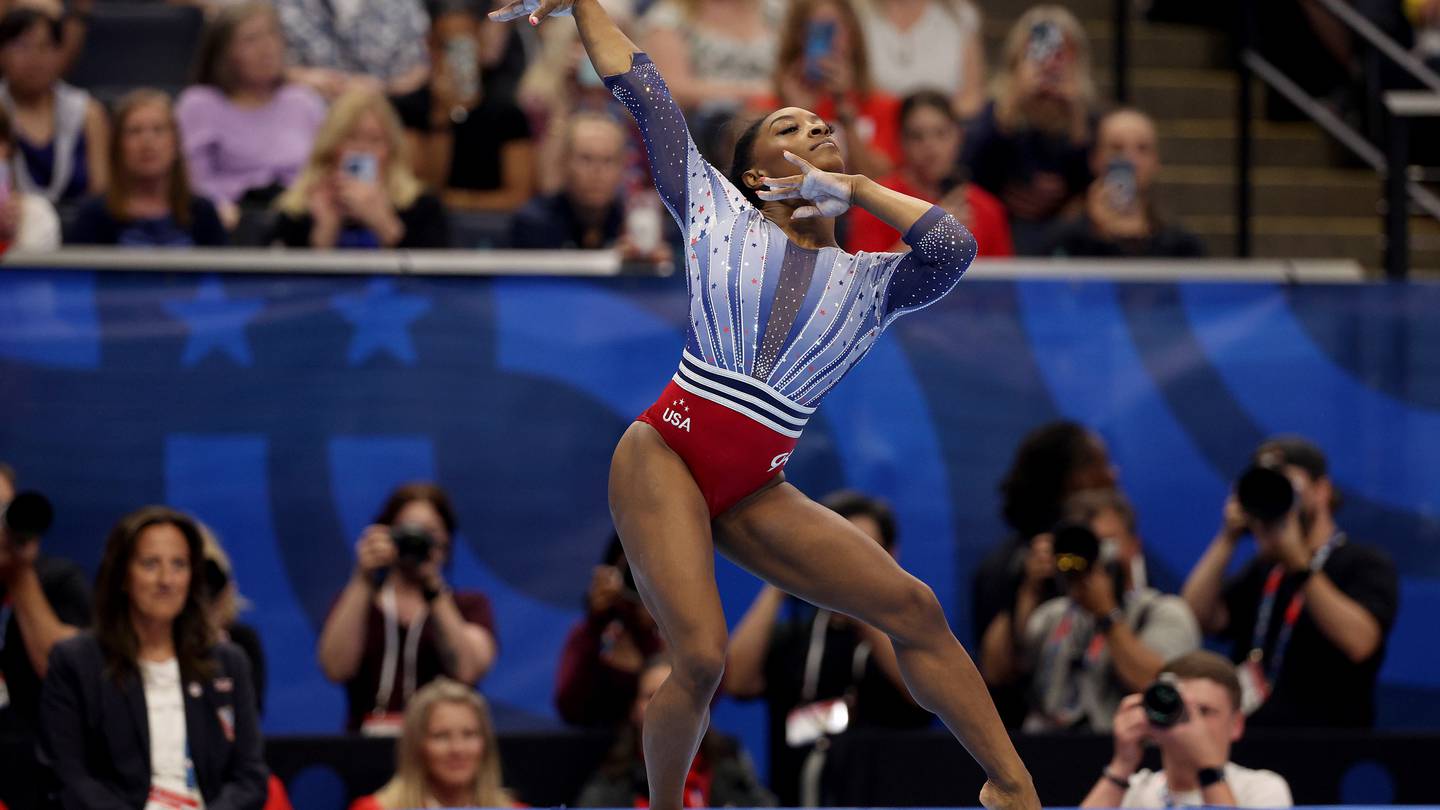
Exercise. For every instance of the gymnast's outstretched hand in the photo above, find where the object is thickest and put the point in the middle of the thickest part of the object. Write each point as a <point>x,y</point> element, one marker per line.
<point>829,193</point>
<point>537,9</point>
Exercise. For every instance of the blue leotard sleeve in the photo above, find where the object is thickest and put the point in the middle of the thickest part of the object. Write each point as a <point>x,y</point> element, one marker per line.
<point>941,249</point>
<point>682,176</point>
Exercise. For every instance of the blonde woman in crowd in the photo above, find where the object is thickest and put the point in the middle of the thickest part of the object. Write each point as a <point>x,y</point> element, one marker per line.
<point>357,190</point>
<point>1031,145</point>
<point>927,45</point>
<point>447,755</point>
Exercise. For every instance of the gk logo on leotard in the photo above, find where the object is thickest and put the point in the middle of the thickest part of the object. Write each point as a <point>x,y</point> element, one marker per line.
<point>674,415</point>
<point>779,461</point>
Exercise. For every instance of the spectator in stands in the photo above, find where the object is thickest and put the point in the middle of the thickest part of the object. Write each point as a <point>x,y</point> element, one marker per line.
<point>1105,637</point>
<point>1196,770</point>
<point>1120,218</point>
<point>151,672</point>
<point>1053,462</point>
<point>222,606</point>
<point>606,650</point>
<point>717,56</point>
<point>149,202</point>
<point>560,82</point>
<point>447,755</point>
<point>357,190</point>
<point>589,212</point>
<point>1031,146</point>
<point>72,15</point>
<point>397,625</point>
<point>245,130</point>
<point>930,137</point>
<point>61,131</point>
<point>43,601</point>
<point>920,45</point>
<point>474,147</point>
<point>722,774</point>
<point>1308,616</point>
<point>795,656</point>
<point>823,66</point>
<point>337,47</point>
<point>27,220</point>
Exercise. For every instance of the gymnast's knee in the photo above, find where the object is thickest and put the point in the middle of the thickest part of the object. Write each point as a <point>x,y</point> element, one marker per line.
<point>698,666</point>
<point>916,618</point>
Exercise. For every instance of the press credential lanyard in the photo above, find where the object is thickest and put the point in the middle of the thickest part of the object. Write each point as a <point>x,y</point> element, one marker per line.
<point>1292,610</point>
<point>392,650</point>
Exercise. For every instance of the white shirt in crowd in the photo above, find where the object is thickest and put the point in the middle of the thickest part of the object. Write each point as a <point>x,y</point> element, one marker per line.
<point>172,784</point>
<point>39,224</point>
<point>1251,788</point>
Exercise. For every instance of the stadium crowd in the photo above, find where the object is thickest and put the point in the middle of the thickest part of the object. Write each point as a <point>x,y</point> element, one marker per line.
<point>1073,636</point>
<point>373,124</point>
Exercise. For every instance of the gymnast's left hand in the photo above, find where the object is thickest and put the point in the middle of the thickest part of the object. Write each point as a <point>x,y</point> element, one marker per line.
<point>537,9</point>
<point>829,193</point>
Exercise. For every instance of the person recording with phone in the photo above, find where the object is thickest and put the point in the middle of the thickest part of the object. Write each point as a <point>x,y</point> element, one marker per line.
<point>357,189</point>
<point>1120,218</point>
<point>1108,633</point>
<point>1030,146</point>
<point>1192,714</point>
<point>1309,615</point>
<point>472,146</point>
<point>398,625</point>
<point>604,653</point>
<point>43,601</point>
<point>823,65</point>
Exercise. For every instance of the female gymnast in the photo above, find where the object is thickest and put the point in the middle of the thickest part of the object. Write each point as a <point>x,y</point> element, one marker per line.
<point>778,314</point>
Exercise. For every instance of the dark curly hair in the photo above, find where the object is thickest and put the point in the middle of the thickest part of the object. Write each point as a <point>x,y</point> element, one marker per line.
<point>743,159</point>
<point>1034,489</point>
<point>113,629</point>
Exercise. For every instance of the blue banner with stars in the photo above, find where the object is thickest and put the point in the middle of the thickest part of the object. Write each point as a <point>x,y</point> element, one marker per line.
<point>281,409</point>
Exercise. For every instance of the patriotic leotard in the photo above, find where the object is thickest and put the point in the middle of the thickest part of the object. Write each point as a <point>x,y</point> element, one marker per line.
<point>773,326</point>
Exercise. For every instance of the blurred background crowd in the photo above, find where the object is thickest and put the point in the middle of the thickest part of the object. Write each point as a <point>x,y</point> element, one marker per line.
<point>413,124</point>
<point>1075,635</point>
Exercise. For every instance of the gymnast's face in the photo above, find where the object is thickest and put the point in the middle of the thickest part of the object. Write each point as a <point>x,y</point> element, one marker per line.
<point>800,132</point>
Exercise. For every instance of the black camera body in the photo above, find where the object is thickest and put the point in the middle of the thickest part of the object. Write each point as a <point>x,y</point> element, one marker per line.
<point>1164,707</point>
<point>413,545</point>
<point>1265,493</point>
<point>27,517</point>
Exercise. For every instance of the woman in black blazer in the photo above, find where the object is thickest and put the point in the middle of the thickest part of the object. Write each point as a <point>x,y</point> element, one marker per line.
<point>146,709</point>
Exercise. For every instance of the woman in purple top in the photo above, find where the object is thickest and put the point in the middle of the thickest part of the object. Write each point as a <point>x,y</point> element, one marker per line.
<point>778,314</point>
<point>245,131</point>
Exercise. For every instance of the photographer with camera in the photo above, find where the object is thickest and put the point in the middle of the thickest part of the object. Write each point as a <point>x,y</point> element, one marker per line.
<point>605,652</point>
<point>1107,634</point>
<point>1192,714</point>
<point>1310,604</point>
<point>43,601</point>
<point>398,625</point>
<point>819,672</point>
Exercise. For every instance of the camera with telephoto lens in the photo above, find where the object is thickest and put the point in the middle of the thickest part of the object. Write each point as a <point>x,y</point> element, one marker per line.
<point>413,545</point>
<point>1164,707</point>
<point>1265,493</point>
<point>1077,550</point>
<point>27,517</point>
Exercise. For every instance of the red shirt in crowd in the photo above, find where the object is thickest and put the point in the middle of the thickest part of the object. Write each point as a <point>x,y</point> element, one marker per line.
<point>588,690</point>
<point>988,222</point>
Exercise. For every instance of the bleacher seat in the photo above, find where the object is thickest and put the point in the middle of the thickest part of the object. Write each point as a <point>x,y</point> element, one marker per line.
<point>137,44</point>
